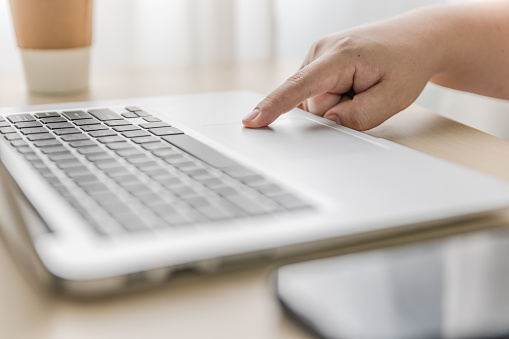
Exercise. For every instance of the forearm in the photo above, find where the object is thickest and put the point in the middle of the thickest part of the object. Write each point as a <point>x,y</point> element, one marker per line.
<point>475,54</point>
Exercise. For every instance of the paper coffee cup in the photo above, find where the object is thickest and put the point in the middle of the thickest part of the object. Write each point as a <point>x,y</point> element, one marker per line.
<point>55,38</point>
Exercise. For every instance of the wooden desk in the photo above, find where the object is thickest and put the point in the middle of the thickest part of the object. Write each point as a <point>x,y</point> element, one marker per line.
<point>234,304</point>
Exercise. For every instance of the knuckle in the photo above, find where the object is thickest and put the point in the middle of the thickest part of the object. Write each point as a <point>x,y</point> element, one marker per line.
<point>345,43</point>
<point>317,46</point>
<point>297,79</point>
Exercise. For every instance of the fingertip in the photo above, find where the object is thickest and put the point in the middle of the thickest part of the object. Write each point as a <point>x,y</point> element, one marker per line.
<point>257,119</point>
<point>250,119</point>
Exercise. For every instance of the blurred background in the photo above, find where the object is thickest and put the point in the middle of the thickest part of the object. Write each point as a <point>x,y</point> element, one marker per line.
<point>147,34</point>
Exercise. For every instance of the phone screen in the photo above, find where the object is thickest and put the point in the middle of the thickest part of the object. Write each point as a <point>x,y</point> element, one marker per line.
<point>456,287</point>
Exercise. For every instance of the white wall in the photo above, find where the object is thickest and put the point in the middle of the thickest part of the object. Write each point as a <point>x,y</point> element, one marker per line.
<point>134,33</point>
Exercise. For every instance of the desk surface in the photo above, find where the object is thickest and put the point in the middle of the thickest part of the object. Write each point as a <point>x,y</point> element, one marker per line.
<point>232,304</point>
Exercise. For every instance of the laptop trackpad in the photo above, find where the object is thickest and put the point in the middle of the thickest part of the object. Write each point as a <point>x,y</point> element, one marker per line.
<point>294,136</point>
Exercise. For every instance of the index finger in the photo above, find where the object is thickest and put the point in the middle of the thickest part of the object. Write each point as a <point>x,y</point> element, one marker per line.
<point>311,80</point>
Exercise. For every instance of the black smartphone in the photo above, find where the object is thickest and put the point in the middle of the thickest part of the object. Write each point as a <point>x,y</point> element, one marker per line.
<point>456,287</point>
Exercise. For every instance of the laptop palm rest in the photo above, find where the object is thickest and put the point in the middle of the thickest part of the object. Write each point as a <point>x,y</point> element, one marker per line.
<point>296,136</point>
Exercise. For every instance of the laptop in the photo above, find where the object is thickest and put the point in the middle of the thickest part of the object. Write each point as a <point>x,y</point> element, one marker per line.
<point>107,196</point>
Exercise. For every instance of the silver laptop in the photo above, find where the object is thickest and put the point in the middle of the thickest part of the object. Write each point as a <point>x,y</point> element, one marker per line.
<point>126,193</point>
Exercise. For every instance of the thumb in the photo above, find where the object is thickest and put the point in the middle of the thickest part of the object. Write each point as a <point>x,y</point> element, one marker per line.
<point>367,109</point>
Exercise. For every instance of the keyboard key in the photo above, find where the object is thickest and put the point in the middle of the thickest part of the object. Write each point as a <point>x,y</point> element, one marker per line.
<point>46,143</point>
<point>105,114</point>
<point>18,143</point>
<point>107,163</point>
<point>196,201</point>
<point>28,124</point>
<point>126,179</point>
<point>76,115</point>
<point>90,128</point>
<point>12,136</point>
<point>133,134</point>
<point>177,159</point>
<point>117,123</point>
<point>143,140</point>
<point>212,183</point>
<point>86,180</point>
<point>226,191</point>
<point>115,207</point>
<point>137,188</point>
<point>108,139</point>
<point>58,125</point>
<point>75,137</point>
<point>90,150</point>
<point>253,180</point>
<point>105,133</point>
<point>99,156</point>
<point>238,172</point>
<point>151,119</point>
<point>71,163</point>
<point>53,149</point>
<point>155,145</point>
<point>118,145</point>
<point>199,150</point>
<point>86,122</point>
<point>129,151</point>
<point>34,130</point>
<point>4,123</point>
<point>61,156</point>
<point>270,190</point>
<point>31,156</point>
<point>147,166</point>
<point>53,119</point>
<point>42,136</point>
<point>65,131</point>
<point>129,115</point>
<point>6,130</point>
<point>154,125</point>
<point>131,222</point>
<point>115,171</point>
<point>246,204</point>
<point>212,212</point>
<point>290,202</point>
<point>138,159</point>
<point>126,128</point>
<point>133,108</point>
<point>104,197</point>
<point>42,115</point>
<point>142,114</point>
<point>149,198</point>
<point>158,173</point>
<point>182,191</point>
<point>95,188</point>
<point>81,143</point>
<point>165,131</point>
<point>231,210</point>
<point>14,118</point>
<point>170,182</point>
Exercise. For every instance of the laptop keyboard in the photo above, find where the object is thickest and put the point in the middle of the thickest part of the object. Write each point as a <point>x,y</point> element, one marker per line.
<point>132,172</point>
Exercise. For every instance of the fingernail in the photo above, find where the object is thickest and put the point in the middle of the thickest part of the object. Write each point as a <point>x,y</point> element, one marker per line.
<point>252,115</point>
<point>333,117</point>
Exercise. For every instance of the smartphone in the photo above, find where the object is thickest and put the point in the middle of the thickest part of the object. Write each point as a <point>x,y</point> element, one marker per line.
<point>456,287</point>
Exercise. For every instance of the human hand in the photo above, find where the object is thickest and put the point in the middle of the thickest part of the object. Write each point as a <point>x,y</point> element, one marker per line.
<point>358,78</point>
